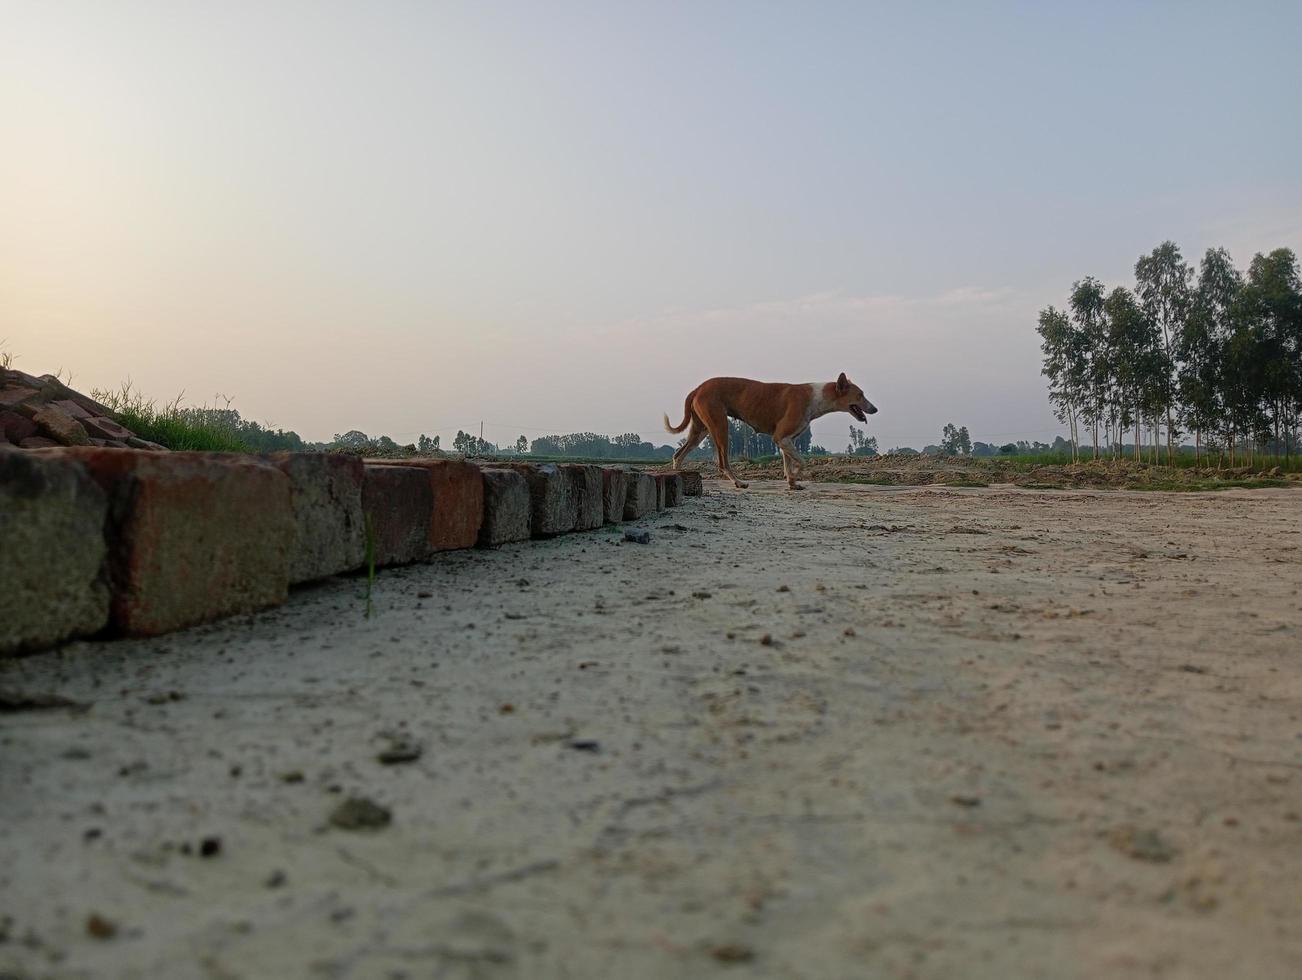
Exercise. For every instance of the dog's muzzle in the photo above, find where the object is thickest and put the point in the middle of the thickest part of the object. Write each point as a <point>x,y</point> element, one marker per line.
<point>857,412</point>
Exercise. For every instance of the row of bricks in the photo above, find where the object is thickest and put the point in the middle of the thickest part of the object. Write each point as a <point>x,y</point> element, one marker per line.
<point>143,543</point>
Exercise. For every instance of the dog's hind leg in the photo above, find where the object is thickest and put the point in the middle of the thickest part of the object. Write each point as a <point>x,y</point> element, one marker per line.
<point>695,436</point>
<point>718,426</point>
<point>791,464</point>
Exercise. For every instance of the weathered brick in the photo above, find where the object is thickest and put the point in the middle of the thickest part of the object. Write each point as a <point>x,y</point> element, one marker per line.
<point>53,582</point>
<point>458,491</point>
<point>192,536</point>
<point>325,492</point>
<point>692,485</point>
<point>38,442</point>
<point>614,486</point>
<point>589,507</point>
<point>399,502</point>
<point>104,428</point>
<point>507,507</point>
<point>60,426</point>
<point>72,408</point>
<point>17,427</point>
<point>13,395</point>
<point>641,499</point>
<point>672,489</point>
<point>660,490</point>
<point>553,509</point>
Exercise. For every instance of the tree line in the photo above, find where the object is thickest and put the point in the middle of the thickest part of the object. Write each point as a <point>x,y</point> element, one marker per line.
<point>1214,352</point>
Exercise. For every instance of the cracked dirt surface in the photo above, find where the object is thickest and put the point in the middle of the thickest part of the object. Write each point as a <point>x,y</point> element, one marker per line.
<point>858,731</point>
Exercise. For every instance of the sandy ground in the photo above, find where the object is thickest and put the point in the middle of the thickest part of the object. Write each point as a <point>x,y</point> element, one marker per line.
<point>856,732</point>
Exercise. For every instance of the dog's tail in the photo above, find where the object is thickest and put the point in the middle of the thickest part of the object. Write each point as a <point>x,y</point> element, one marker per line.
<point>687,416</point>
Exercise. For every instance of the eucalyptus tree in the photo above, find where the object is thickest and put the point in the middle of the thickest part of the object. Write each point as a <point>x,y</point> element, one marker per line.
<point>1086,305</point>
<point>1162,283</point>
<point>1064,366</point>
<point>1272,303</point>
<point>1130,341</point>
<point>1202,345</point>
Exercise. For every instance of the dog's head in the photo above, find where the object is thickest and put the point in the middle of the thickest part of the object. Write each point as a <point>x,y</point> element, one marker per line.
<point>849,397</point>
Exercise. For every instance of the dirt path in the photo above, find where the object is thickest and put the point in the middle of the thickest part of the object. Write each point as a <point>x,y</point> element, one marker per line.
<point>856,732</point>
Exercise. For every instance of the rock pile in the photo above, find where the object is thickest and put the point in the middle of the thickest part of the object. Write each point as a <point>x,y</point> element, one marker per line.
<point>38,413</point>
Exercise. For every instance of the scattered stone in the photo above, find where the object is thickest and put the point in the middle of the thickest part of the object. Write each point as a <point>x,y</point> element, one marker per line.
<point>276,879</point>
<point>1143,845</point>
<point>399,752</point>
<point>585,745</point>
<point>210,847</point>
<point>849,631</point>
<point>702,595</point>
<point>637,536</point>
<point>733,953</point>
<point>98,927</point>
<point>766,640</point>
<point>38,442</point>
<point>962,799</point>
<point>293,776</point>
<point>360,813</point>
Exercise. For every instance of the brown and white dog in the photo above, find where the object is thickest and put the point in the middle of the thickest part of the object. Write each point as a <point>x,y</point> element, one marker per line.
<point>782,411</point>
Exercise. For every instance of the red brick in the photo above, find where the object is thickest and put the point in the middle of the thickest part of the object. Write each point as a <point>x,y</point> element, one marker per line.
<point>692,485</point>
<point>192,536</point>
<point>399,503</point>
<point>38,442</point>
<point>458,491</point>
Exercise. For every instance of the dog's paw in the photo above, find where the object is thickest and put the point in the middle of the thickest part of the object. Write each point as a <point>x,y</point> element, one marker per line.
<point>740,485</point>
<point>796,486</point>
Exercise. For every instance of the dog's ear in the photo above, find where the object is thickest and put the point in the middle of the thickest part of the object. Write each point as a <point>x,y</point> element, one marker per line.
<point>842,384</point>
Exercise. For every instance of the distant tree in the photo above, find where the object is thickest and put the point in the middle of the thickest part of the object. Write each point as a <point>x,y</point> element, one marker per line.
<point>353,439</point>
<point>859,445</point>
<point>1008,449</point>
<point>954,441</point>
<point>522,445</point>
<point>427,445</point>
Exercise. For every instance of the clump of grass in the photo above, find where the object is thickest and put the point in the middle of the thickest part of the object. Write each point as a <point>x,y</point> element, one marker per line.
<point>963,483</point>
<point>168,425</point>
<point>1041,486</point>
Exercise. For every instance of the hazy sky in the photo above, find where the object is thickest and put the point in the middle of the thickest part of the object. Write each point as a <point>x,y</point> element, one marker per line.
<point>410,217</point>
